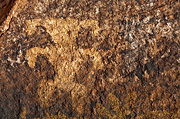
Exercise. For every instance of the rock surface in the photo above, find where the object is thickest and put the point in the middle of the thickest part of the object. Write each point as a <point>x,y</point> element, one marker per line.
<point>90,59</point>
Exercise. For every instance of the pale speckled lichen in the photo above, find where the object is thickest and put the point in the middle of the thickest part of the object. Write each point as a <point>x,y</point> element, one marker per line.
<point>59,116</point>
<point>122,110</point>
<point>129,102</point>
<point>156,114</point>
<point>117,111</point>
<point>64,56</point>
<point>115,106</point>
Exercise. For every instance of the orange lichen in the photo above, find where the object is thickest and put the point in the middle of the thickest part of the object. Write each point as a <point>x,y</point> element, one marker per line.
<point>115,105</point>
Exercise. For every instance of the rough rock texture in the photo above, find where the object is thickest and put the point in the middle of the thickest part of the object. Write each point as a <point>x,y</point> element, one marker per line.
<point>5,6</point>
<point>90,59</point>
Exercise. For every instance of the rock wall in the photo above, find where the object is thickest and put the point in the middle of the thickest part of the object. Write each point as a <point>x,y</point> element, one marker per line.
<point>90,59</point>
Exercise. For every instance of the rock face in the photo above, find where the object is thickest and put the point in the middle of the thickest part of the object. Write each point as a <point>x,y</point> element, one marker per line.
<point>90,59</point>
<point>5,6</point>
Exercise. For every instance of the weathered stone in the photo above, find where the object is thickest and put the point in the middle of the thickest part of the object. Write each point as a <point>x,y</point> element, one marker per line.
<point>90,59</point>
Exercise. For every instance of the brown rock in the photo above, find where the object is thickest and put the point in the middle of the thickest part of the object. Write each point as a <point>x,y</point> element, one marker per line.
<point>90,59</point>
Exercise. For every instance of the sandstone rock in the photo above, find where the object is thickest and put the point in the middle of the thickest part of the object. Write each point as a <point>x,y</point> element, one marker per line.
<point>90,59</point>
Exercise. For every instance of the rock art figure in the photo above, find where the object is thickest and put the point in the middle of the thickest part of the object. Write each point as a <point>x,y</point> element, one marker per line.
<point>64,56</point>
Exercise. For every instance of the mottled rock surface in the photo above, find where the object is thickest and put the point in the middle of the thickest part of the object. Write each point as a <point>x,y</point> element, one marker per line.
<point>91,59</point>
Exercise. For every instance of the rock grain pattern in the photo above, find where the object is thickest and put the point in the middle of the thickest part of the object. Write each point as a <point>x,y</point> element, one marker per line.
<point>92,59</point>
